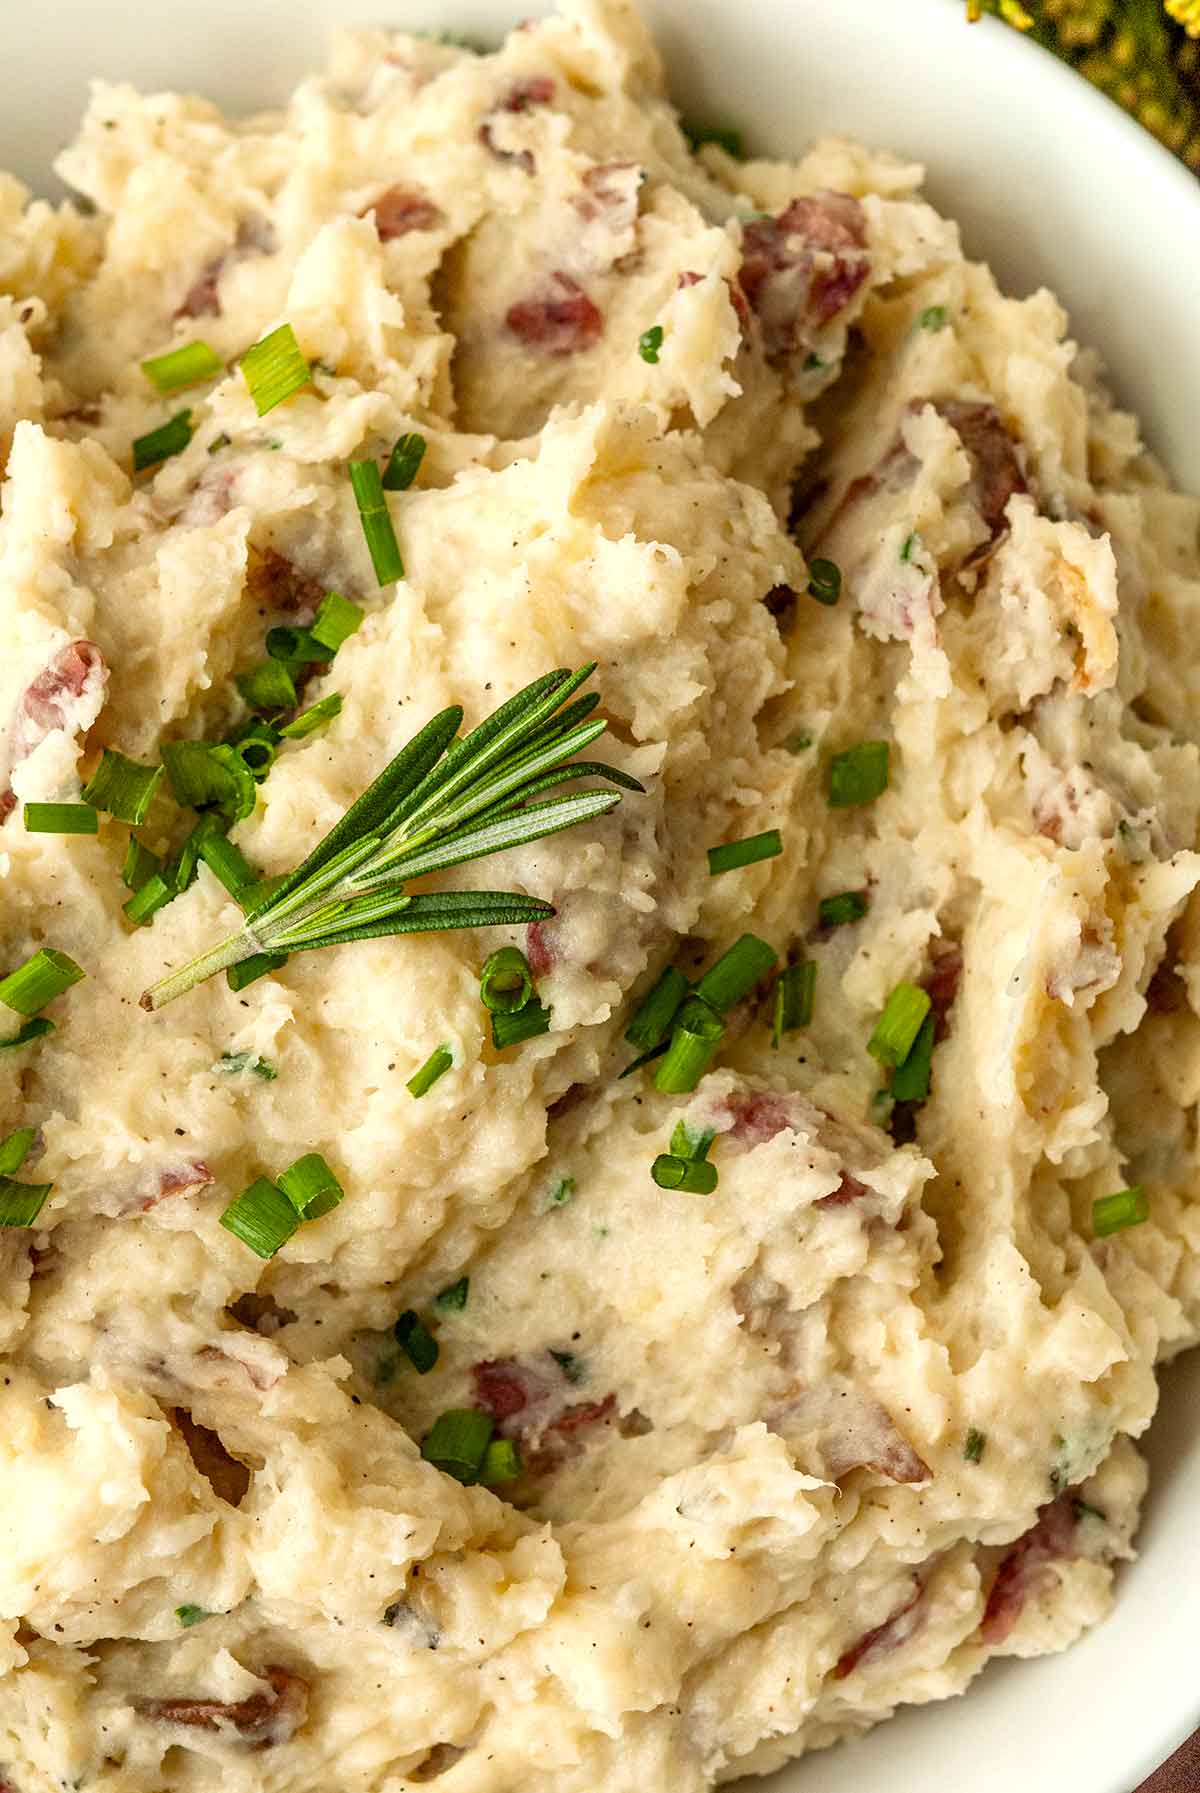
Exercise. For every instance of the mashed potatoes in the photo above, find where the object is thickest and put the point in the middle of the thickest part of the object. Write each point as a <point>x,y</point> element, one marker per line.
<point>794,1452</point>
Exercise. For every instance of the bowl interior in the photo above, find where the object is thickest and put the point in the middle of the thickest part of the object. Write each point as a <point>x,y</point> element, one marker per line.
<point>1054,186</point>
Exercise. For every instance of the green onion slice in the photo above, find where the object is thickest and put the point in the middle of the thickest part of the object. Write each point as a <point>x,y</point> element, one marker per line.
<point>824,581</point>
<point>267,687</point>
<point>122,787</point>
<point>232,1064</point>
<point>189,1615</point>
<point>453,1298</point>
<point>1112,1213</point>
<point>404,463</point>
<point>457,1442</point>
<point>158,445</point>
<point>686,1144</point>
<point>227,863</point>
<point>32,1030</point>
<point>859,775</point>
<point>289,644</point>
<point>974,1447</point>
<point>262,1217</point>
<point>140,864</point>
<point>897,1028</point>
<point>21,1203</point>
<point>417,1342</point>
<point>847,906</point>
<point>697,1033</point>
<point>256,744</point>
<point>736,972</point>
<point>376,521</point>
<point>187,365</point>
<point>15,1149</point>
<point>501,1463</point>
<point>61,818</point>
<point>435,1066</point>
<point>38,981</point>
<point>794,990</point>
<point>315,717</point>
<point>149,898</point>
<point>506,981</point>
<point>311,1186</point>
<point>650,342</point>
<point>209,774</point>
<point>526,1024</point>
<point>910,1081</point>
<point>337,619</point>
<point>653,1019</point>
<point>274,368</point>
<point>737,853</point>
<point>248,971</point>
<point>933,318</point>
<point>695,1176</point>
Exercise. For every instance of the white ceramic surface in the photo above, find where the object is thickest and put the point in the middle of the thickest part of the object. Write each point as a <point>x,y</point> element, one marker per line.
<point>1053,185</point>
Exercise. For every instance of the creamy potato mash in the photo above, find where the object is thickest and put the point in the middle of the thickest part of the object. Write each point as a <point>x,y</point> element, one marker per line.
<point>793,1452</point>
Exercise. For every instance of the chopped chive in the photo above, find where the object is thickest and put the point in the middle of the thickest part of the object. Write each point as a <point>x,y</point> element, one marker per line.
<point>812,363</point>
<point>728,139</point>
<point>650,342</point>
<point>21,1203</point>
<point>974,1447</point>
<point>794,989</point>
<point>501,1463</point>
<point>337,619</point>
<point>315,717</point>
<point>122,787</point>
<point>653,1019</point>
<point>248,971</point>
<point>562,1192</point>
<point>506,981</point>
<point>233,1063</point>
<point>140,864</point>
<point>824,581</point>
<point>897,1028</point>
<point>798,742</point>
<point>169,438</point>
<point>571,1365</point>
<point>404,463</point>
<point>184,366</point>
<point>148,899</point>
<point>907,545</point>
<point>274,368</point>
<point>267,687</point>
<point>289,644</point>
<point>847,906</point>
<point>219,441</point>
<point>311,1186</point>
<point>695,1176</point>
<point>1112,1213</point>
<point>457,1442</point>
<point>256,744</point>
<point>61,818</point>
<point>209,775</point>
<point>376,521</point>
<point>15,1149</point>
<point>686,1144</point>
<point>737,853</point>
<point>933,318</point>
<point>189,1615</point>
<point>435,1066</point>
<point>180,870</point>
<point>526,1024</point>
<point>262,1217</point>
<point>910,1081</point>
<point>416,1341</point>
<point>32,1030</point>
<point>38,981</point>
<point>736,972</point>
<point>697,1032</point>
<point>859,775</point>
<point>453,1298</point>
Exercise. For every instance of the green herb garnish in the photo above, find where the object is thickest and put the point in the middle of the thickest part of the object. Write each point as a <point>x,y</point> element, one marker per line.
<point>21,1203</point>
<point>697,1032</point>
<point>189,1615</point>
<point>501,1463</point>
<point>435,1066</point>
<point>376,521</point>
<point>650,342</point>
<point>262,1217</point>
<point>457,1442</point>
<point>933,318</point>
<point>435,805</point>
<point>274,368</point>
<point>824,581</point>
<point>157,445</point>
<point>233,1063</point>
<point>32,1030</point>
<point>337,619</point>
<point>122,788</point>
<point>973,1449</point>
<point>910,1081</point>
<point>695,1176</point>
<point>61,818</point>
<point>897,1028</point>
<point>525,1024</point>
<point>653,1019</point>
<point>1112,1213</point>
<point>316,716</point>
<point>736,972</point>
<point>38,981</point>
<point>736,853</point>
<point>185,366</point>
<point>453,1298</point>
<point>847,906</point>
<point>723,135</point>
<point>209,775</point>
<point>506,981</point>
<point>859,775</point>
<point>794,990</point>
<point>15,1149</point>
<point>416,1341</point>
<point>267,687</point>
<point>311,1186</point>
<point>404,463</point>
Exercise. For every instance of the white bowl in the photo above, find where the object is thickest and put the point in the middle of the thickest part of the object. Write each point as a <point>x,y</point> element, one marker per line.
<point>1053,185</point>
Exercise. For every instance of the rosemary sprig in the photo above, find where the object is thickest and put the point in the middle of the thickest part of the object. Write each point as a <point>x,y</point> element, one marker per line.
<point>441,801</point>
